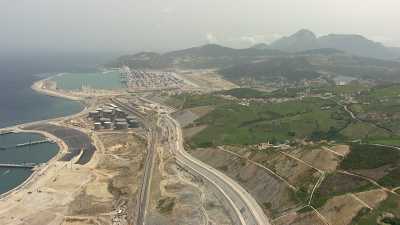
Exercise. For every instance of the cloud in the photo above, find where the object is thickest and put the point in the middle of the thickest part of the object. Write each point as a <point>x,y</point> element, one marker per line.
<point>211,38</point>
<point>167,10</point>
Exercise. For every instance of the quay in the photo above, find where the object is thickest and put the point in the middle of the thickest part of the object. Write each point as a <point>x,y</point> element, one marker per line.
<point>6,132</point>
<point>22,165</point>
<point>27,144</point>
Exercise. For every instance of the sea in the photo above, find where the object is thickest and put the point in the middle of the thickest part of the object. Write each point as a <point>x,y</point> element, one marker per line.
<point>20,104</point>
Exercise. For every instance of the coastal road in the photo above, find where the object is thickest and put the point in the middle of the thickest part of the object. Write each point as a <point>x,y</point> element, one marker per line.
<point>246,210</point>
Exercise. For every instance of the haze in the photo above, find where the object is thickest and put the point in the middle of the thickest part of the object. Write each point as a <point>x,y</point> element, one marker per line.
<point>104,25</point>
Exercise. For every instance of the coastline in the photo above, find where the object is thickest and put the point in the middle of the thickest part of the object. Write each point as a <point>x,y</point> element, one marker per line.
<point>40,169</point>
<point>38,86</point>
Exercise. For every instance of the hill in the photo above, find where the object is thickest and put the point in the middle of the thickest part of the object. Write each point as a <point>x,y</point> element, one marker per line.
<point>207,56</point>
<point>300,41</point>
<point>350,43</point>
<point>313,64</point>
<point>291,69</point>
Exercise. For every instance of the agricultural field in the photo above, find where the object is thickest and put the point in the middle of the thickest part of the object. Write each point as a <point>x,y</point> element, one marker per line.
<point>380,106</point>
<point>232,123</point>
<point>320,180</point>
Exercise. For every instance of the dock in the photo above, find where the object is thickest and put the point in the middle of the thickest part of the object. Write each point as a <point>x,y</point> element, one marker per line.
<point>34,143</point>
<point>27,144</point>
<point>6,132</point>
<point>21,165</point>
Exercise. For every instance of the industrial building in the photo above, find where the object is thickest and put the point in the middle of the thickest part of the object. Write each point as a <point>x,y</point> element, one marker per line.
<point>110,116</point>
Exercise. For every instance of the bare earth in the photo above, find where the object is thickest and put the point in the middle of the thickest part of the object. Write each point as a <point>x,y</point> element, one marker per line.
<point>71,194</point>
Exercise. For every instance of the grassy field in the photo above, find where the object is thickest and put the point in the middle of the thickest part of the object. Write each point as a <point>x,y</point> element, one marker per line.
<point>338,184</point>
<point>389,140</point>
<point>390,205</point>
<point>315,119</point>
<point>352,87</point>
<point>186,101</point>
<point>364,156</point>
<point>246,93</point>
<point>236,124</point>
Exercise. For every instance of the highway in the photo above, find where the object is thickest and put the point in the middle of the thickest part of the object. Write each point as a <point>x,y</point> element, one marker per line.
<point>139,216</point>
<point>246,210</point>
<point>144,195</point>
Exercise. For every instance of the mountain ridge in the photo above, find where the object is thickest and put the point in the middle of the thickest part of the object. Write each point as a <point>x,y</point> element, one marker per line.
<point>356,44</point>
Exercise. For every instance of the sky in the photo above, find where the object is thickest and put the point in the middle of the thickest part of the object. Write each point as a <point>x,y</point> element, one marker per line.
<point>162,25</point>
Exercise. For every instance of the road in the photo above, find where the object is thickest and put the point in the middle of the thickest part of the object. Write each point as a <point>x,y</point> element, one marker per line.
<point>144,196</point>
<point>246,209</point>
<point>152,128</point>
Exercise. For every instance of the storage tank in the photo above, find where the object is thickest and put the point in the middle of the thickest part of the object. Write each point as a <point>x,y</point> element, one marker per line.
<point>133,123</point>
<point>119,120</point>
<point>97,126</point>
<point>119,113</point>
<point>104,120</point>
<point>121,125</point>
<point>107,125</point>
<point>100,111</point>
<point>131,118</point>
<point>93,114</point>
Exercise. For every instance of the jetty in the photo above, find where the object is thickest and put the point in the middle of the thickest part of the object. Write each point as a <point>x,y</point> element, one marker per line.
<point>18,165</point>
<point>6,132</point>
<point>34,143</point>
<point>27,144</point>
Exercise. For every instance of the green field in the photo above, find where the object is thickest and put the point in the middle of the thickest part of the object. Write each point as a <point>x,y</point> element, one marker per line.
<point>185,101</point>
<point>338,184</point>
<point>364,156</point>
<point>390,205</point>
<point>246,93</point>
<point>236,124</point>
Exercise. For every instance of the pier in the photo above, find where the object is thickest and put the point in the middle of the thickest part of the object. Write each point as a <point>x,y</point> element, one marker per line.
<point>15,165</point>
<point>27,144</point>
<point>6,132</point>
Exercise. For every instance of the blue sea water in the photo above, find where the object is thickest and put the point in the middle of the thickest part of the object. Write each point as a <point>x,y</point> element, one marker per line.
<point>20,104</point>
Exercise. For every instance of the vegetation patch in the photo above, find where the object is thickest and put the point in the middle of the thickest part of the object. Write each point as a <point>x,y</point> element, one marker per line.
<point>392,180</point>
<point>389,206</point>
<point>338,184</point>
<point>232,123</point>
<point>166,205</point>
<point>245,93</point>
<point>364,156</point>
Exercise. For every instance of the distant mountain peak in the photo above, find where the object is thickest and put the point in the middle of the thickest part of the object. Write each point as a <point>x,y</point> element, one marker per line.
<point>304,40</point>
<point>304,33</point>
<point>301,40</point>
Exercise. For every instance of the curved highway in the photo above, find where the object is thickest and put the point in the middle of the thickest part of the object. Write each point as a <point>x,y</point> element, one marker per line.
<point>246,208</point>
